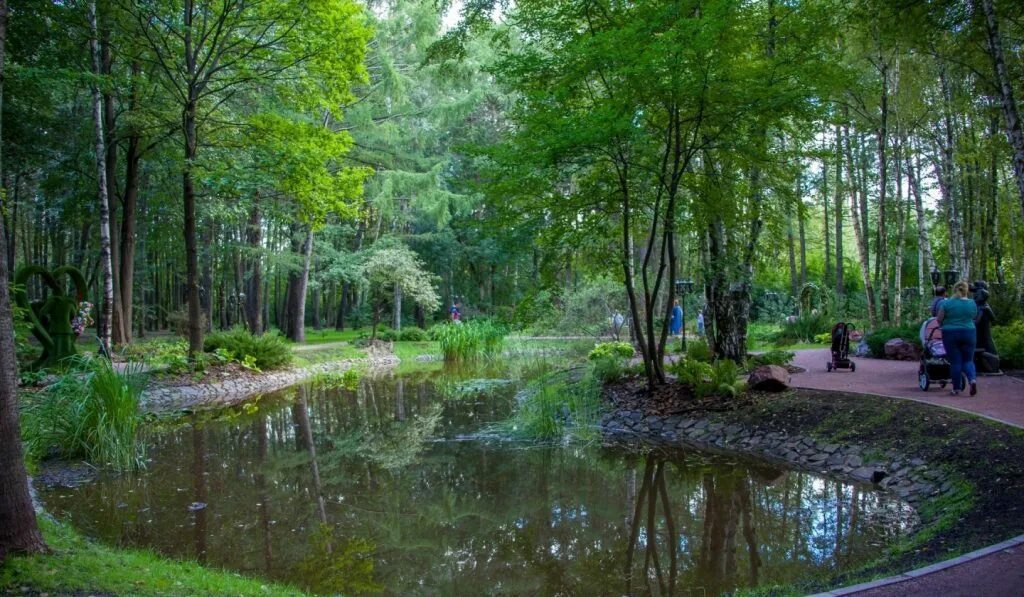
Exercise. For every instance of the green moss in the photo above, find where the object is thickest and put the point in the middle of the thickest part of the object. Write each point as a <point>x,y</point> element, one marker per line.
<point>76,565</point>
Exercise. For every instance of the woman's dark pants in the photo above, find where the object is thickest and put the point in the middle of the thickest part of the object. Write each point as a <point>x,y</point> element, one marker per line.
<point>960,345</point>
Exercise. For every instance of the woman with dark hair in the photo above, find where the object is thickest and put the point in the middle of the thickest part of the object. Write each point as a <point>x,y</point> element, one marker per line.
<point>940,295</point>
<point>959,336</point>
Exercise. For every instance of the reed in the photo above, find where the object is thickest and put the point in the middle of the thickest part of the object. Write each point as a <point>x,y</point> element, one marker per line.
<point>93,415</point>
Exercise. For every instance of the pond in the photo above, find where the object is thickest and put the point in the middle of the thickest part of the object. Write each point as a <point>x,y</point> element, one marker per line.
<point>389,488</point>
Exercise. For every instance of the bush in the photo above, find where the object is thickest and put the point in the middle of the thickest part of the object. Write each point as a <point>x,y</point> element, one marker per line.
<point>171,354</point>
<point>607,369</point>
<point>94,416</point>
<point>876,340</point>
<point>623,350</point>
<point>413,335</point>
<point>804,328</point>
<point>772,357</point>
<point>269,351</point>
<point>704,379</point>
<point>698,350</point>
<point>1009,340</point>
<point>470,340</point>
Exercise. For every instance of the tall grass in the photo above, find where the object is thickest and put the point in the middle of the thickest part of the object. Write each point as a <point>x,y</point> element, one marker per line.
<point>94,416</point>
<point>557,407</point>
<point>469,341</point>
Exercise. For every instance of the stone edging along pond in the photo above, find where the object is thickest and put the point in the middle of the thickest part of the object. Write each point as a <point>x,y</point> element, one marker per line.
<point>962,474</point>
<point>912,479</point>
<point>235,390</point>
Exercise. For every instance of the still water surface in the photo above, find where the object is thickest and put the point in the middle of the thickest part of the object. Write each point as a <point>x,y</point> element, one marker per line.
<point>385,489</point>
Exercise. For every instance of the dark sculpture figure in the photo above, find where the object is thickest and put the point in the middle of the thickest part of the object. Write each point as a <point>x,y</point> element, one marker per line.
<point>986,358</point>
<point>51,319</point>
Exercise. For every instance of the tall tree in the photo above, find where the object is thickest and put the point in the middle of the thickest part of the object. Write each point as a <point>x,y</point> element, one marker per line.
<point>106,264</point>
<point>19,532</point>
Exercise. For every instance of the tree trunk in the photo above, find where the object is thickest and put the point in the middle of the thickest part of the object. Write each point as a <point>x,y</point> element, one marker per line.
<point>791,248</point>
<point>195,313</point>
<point>838,209</point>
<point>901,232</point>
<point>104,331</point>
<point>827,226</point>
<point>295,326</point>
<point>19,532</point>
<point>862,236</point>
<point>253,296</point>
<point>396,318</point>
<point>1014,132</point>
<point>926,260</point>
<point>121,329</point>
<point>882,250</point>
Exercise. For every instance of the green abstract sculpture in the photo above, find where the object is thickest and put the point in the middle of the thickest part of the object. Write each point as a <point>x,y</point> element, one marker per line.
<point>51,319</point>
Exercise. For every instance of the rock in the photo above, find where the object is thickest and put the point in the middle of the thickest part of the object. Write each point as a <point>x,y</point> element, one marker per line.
<point>769,378</point>
<point>831,448</point>
<point>899,349</point>
<point>853,461</point>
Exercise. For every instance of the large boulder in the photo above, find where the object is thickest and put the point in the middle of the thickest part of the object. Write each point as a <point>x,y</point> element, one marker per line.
<point>769,378</point>
<point>899,349</point>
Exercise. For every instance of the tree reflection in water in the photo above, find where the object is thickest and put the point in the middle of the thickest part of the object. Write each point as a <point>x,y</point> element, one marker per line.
<point>354,491</point>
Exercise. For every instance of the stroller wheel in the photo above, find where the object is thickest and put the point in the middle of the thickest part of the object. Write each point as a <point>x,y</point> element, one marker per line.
<point>828,367</point>
<point>922,379</point>
<point>853,366</point>
<point>942,384</point>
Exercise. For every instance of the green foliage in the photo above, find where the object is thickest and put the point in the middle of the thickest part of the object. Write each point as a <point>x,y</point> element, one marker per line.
<point>708,379</point>
<point>413,334</point>
<point>621,350</point>
<point>91,567</point>
<point>347,379</point>
<point>555,407</point>
<point>339,565</point>
<point>824,338</point>
<point>1009,340</point>
<point>698,350</point>
<point>259,353</point>
<point>172,354</point>
<point>772,357</point>
<point>804,328</point>
<point>607,368</point>
<point>469,340</point>
<point>94,416</point>
<point>876,340</point>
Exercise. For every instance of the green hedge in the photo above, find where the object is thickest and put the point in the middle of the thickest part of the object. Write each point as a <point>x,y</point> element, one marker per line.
<point>1009,341</point>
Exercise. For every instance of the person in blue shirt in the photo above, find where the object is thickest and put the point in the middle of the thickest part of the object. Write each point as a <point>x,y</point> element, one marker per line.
<point>456,312</point>
<point>959,336</point>
<point>676,323</point>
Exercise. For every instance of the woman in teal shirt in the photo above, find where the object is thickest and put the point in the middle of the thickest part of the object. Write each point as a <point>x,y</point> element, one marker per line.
<point>956,316</point>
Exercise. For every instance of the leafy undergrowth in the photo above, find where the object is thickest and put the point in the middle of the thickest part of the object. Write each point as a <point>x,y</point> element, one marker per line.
<point>78,566</point>
<point>981,457</point>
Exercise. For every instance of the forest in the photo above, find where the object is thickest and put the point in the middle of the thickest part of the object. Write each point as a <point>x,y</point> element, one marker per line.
<point>297,169</point>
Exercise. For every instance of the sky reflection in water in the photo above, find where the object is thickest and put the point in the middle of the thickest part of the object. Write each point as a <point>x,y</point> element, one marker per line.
<point>376,490</point>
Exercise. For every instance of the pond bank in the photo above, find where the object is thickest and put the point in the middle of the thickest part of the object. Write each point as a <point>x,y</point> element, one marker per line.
<point>961,473</point>
<point>231,391</point>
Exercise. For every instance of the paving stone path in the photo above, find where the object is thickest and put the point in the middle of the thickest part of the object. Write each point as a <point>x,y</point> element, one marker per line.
<point>999,572</point>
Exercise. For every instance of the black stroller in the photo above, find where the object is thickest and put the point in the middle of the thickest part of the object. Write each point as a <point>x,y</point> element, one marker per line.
<point>841,348</point>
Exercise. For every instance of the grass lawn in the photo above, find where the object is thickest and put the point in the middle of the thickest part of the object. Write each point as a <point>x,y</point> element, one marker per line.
<point>82,567</point>
<point>332,335</point>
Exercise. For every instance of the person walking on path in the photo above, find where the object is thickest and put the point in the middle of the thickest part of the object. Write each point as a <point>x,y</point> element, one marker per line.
<point>700,323</point>
<point>676,324</point>
<point>956,317</point>
<point>940,295</point>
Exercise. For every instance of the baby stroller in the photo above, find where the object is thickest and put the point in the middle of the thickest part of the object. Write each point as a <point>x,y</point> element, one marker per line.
<point>841,348</point>
<point>934,365</point>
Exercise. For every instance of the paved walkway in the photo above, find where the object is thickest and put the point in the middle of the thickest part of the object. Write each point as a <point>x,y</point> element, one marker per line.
<point>997,574</point>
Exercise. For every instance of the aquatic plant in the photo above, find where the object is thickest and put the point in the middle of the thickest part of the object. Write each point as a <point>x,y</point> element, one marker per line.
<point>556,406</point>
<point>94,416</point>
<point>470,340</point>
<point>623,350</point>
